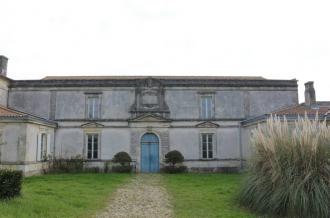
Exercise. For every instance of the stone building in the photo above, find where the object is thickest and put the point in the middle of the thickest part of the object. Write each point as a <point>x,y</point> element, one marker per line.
<point>205,118</point>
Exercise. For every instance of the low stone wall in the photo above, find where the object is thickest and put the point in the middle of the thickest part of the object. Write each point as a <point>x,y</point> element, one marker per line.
<point>213,165</point>
<point>27,169</point>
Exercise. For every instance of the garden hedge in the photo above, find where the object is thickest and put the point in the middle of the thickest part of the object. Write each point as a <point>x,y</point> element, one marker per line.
<point>10,183</point>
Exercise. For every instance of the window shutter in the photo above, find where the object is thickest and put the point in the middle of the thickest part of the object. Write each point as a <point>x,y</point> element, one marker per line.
<point>38,147</point>
<point>215,145</point>
<point>49,152</point>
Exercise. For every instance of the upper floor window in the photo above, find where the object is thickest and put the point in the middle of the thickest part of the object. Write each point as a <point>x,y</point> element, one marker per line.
<point>207,144</point>
<point>206,107</point>
<point>93,106</point>
<point>92,146</point>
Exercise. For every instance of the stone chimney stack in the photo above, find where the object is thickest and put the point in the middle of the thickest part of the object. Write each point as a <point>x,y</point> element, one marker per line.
<point>3,65</point>
<point>310,98</point>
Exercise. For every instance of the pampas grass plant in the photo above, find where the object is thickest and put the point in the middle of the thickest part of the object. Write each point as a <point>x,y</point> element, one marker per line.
<point>289,173</point>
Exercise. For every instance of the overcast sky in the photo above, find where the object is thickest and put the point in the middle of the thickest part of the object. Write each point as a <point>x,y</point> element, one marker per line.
<point>274,39</point>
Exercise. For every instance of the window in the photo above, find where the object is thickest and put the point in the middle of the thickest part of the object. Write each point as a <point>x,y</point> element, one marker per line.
<point>207,145</point>
<point>43,146</point>
<point>92,146</point>
<point>93,106</point>
<point>206,107</point>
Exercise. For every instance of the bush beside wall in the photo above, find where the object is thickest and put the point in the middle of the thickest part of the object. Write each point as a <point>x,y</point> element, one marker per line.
<point>122,163</point>
<point>10,183</point>
<point>71,165</point>
<point>174,160</point>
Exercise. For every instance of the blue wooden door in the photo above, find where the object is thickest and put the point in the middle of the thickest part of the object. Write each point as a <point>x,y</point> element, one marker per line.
<point>149,153</point>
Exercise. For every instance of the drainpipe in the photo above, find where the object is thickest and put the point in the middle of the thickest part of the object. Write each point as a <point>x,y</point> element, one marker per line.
<point>240,146</point>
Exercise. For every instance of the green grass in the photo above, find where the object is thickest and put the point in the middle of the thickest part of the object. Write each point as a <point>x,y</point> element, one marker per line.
<point>63,195</point>
<point>205,195</point>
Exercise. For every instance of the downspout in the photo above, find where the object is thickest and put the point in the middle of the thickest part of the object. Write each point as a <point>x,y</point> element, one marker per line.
<point>240,146</point>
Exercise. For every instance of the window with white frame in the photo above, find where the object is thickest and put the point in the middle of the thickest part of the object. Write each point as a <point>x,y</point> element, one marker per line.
<point>92,141</point>
<point>93,106</point>
<point>206,106</point>
<point>207,145</point>
<point>43,146</point>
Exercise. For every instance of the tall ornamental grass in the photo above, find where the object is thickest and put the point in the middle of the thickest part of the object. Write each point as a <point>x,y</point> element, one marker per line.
<point>289,173</point>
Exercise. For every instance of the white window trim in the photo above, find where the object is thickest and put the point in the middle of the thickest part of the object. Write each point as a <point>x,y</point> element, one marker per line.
<point>98,146</point>
<point>214,145</point>
<point>201,106</point>
<point>96,113</point>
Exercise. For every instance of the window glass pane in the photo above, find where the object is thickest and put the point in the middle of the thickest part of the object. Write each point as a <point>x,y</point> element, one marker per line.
<point>203,107</point>
<point>210,138</point>
<point>96,107</point>
<point>210,154</point>
<point>204,154</point>
<point>95,154</point>
<point>204,147</point>
<point>95,139</point>
<point>90,107</point>
<point>204,138</point>
<point>89,154</point>
<point>93,106</point>
<point>206,107</point>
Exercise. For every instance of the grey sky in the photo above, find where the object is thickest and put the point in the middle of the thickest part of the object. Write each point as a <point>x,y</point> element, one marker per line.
<point>274,39</point>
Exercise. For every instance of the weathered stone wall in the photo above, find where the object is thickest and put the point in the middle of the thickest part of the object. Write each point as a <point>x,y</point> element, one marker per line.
<point>187,141</point>
<point>33,102</point>
<point>234,103</point>
<point>12,142</point>
<point>3,91</point>
<point>19,144</point>
<point>238,103</point>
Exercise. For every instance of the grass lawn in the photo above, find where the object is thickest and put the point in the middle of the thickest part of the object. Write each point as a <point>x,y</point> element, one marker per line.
<point>205,195</point>
<point>63,195</point>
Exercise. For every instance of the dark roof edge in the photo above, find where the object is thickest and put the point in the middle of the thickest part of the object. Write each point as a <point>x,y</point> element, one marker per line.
<point>166,82</point>
<point>27,117</point>
<point>264,117</point>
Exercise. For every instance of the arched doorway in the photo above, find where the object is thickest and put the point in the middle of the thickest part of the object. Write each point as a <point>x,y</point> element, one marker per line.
<point>149,153</point>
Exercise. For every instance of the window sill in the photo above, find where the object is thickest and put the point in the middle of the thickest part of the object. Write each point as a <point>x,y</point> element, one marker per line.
<point>206,159</point>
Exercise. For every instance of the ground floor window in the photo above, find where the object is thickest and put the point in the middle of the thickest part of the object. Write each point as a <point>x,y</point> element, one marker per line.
<point>43,147</point>
<point>207,143</point>
<point>92,146</point>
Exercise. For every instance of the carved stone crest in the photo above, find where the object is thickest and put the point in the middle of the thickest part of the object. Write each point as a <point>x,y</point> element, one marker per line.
<point>149,98</point>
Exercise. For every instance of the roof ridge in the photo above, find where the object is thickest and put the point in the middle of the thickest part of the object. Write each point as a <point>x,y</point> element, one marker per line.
<point>156,77</point>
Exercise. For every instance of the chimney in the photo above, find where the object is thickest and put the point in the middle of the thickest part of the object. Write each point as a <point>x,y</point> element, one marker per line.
<point>310,98</point>
<point>3,65</point>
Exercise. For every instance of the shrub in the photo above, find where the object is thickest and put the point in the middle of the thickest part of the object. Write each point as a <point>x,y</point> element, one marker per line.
<point>175,169</point>
<point>10,183</point>
<point>122,158</point>
<point>121,169</point>
<point>174,157</point>
<point>289,174</point>
<point>71,165</point>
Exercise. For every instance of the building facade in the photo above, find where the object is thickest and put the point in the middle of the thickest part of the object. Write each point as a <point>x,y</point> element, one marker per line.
<point>96,117</point>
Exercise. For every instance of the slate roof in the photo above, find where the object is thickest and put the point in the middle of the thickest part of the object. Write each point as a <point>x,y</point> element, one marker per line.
<point>7,112</point>
<point>320,109</point>
<point>167,81</point>
<point>15,115</point>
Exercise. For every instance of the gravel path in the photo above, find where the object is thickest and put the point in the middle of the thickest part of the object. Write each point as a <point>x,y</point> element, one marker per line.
<point>144,196</point>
